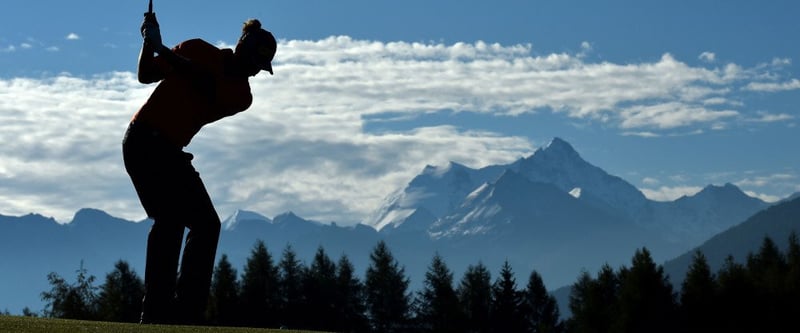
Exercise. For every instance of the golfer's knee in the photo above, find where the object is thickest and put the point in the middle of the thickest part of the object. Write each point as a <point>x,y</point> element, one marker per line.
<point>215,227</point>
<point>207,225</point>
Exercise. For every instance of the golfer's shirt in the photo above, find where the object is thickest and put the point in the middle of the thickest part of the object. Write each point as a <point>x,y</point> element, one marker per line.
<point>187,99</point>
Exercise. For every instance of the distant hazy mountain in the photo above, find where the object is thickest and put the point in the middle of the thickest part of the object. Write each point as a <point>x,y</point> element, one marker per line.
<point>792,197</point>
<point>551,211</point>
<point>691,220</point>
<point>33,246</point>
<point>776,222</point>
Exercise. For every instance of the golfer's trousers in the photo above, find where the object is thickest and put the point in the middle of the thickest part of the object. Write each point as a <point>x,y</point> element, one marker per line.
<point>174,196</point>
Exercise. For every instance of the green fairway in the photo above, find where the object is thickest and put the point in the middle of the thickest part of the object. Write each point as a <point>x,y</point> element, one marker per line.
<point>12,324</point>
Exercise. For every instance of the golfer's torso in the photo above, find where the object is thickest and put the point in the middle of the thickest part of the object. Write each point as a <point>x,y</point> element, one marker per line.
<point>183,103</point>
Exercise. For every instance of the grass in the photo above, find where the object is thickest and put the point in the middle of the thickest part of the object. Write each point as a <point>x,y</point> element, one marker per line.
<point>14,324</point>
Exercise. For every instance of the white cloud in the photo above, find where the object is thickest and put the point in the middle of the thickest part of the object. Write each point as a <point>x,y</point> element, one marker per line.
<point>650,181</point>
<point>73,36</point>
<point>708,57</point>
<point>670,193</point>
<point>641,134</point>
<point>755,183</point>
<point>303,144</point>
<point>778,62</point>
<point>765,180</point>
<point>766,117</point>
<point>671,115</point>
<point>316,162</point>
<point>679,178</point>
<point>586,48</point>
<point>762,196</point>
<point>774,86</point>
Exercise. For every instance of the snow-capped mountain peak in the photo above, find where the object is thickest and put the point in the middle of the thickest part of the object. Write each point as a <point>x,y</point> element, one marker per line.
<point>554,182</point>
<point>559,164</point>
<point>442,190</point>
<point>438,190</point>
<point>232,221</point>
<point>561,148</point>
<point>438,172</point>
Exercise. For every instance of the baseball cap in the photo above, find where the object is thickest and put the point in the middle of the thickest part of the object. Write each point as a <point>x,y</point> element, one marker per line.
<point>260,42</point>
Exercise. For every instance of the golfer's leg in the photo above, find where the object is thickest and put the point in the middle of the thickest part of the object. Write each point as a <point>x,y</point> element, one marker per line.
<point>163,250</point>
<point>197,264</point>
<point>153,165</point>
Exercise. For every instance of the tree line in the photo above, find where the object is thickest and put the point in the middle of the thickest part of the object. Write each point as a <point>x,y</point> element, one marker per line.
<point>761,295</point>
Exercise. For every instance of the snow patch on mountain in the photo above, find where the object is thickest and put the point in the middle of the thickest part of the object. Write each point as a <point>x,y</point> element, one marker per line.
<point>511,199</point>
<point>437,190</point>
<point>559,164</point>
<point>237,217</point>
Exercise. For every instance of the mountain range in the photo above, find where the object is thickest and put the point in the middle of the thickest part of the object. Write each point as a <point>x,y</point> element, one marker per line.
<point>552,212</point>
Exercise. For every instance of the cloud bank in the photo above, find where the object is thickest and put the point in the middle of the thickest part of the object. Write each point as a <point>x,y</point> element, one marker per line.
<point>303,145</point>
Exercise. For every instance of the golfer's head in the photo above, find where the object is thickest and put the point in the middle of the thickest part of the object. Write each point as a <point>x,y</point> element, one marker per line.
<point>257,46</point>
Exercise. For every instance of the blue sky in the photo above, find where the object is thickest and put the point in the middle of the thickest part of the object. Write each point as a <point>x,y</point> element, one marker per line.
<point>669,95</point>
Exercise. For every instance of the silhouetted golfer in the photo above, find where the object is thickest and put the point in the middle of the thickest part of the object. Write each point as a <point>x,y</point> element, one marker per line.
<point>199,84</point>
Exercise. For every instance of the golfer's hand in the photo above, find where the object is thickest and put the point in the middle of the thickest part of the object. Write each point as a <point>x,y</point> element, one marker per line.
<point>150,17</point>
<point>151,32</point>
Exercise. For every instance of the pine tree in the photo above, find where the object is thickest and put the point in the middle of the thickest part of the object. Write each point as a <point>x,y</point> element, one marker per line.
<point>792,277</point>
<point>737,299</point>
<point>541,313</point>
<point>259,293</point>
<point>71,301</point>
<point>350,300</point>
<point>767,269</point>
<point>120,297</point>
<point>699,297</point>
<point>475,296</point>
<point>595,302</point>
<point>767,266</point>
<point>505,314</point>
<point>647,302</point>
<point>388,301</point>
<point>438,309</point>
<point>319,289</point>
<point>793,255</point>
<point>224,300</point>
<point>580,300</point>
<point>290,290</point>
<point>27,312</point>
